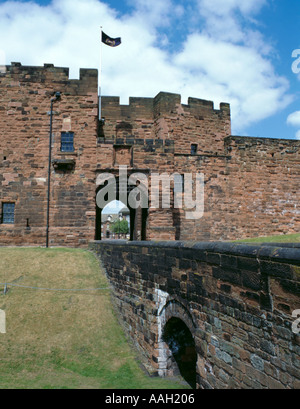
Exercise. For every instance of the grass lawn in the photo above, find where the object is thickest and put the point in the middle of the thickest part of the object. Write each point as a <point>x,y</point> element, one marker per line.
<point>285,238</point>
<point>57,339</point>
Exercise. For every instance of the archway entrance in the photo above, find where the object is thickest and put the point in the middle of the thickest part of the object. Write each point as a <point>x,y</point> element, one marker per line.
<point>137,216</point>
<point>182,346</point>
<point>115,221</point>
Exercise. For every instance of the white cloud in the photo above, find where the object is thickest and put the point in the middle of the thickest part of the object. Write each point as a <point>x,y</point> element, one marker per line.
<point>231,20</point>
<point>224,57</point>
<point>230,72</point>
<point>221,7</point>
<point>296,62</point>
<point>294,119</point>
<point>113,207</point>
<point>157,12</point>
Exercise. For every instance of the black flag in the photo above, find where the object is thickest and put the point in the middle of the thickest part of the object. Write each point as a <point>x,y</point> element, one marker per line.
<point>112,42</point>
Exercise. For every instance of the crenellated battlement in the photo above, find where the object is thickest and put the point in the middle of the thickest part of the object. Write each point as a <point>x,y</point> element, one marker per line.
<point>137,107</point>
<point>167,117</point>
<point>47,74</point>
<point>164,103</point>
<point>251,184</point>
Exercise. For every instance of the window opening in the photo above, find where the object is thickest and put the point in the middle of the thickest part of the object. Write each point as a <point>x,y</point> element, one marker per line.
<point>8,213</point>
<point>67,142</point>
<point>194,148</point>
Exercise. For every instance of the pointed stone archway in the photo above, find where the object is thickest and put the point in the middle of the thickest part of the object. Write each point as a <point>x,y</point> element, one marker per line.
<point>138,216</point>
<point>177,349</point>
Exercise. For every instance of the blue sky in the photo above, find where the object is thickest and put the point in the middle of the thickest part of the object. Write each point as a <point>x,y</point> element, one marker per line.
<point>236,51</point>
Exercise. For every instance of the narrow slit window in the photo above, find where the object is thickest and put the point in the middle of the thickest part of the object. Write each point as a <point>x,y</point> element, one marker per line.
<point>194,148</point>
<point>67,142</point>
<point>178,183</point>
<point>8,213</point>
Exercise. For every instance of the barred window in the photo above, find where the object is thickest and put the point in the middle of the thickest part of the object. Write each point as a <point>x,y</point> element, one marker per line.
<point>67,142</point>
<point>8,213</point>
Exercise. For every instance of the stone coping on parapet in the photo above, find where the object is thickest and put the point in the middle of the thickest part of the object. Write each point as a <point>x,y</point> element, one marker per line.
<point>58,76</point>
<point>203,155</point>
<point>239,139</point>
<point>116,169</point>
<point>163,102</point>
<point>289,245</point>
<point>288,253</point>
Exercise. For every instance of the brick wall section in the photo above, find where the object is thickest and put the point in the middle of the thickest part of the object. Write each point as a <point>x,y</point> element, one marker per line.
<point>25,94</point>
<point>132,127</point>
<point>240,298</point>
<point>263,184</point>
<point>195,123</point>
<point>251,184</point>
<point>251,190</point>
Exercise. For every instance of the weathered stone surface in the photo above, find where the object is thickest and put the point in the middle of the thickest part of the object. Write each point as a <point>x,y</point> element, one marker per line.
<point>24,149</point>
<point>251,184</point>
<point>241,341</point>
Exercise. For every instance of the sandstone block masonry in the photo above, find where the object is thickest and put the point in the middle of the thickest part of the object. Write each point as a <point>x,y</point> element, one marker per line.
<point>25,94</point>
<point>251,184</point>
<point>237,301</point>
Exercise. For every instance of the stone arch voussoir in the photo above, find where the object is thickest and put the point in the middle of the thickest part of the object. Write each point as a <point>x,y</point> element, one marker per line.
<point>177,308</point>
<point>171,307</point>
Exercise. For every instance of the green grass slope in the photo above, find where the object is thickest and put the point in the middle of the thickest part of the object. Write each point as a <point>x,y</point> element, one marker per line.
<point>63,339</point>
<point>285,238</point>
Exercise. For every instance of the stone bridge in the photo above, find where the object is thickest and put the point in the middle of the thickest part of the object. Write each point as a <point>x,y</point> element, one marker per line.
<point>223,315</point>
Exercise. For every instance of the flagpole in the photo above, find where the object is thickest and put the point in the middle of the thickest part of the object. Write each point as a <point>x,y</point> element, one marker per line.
<point>100,76</point>
<point>112,42</point>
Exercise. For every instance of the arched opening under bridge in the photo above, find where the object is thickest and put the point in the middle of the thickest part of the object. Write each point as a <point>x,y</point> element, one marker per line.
<point>181,344</point>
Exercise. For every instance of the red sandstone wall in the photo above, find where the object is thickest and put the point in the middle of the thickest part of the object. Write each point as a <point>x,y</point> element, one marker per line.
<point>240,298</point>
<point>196,123</point>
<point>160,131</point>
<point>252,190</point>
<point>24,144</point>
<point>251,184</point>
<point>263,187</point>
<point>128,138</point>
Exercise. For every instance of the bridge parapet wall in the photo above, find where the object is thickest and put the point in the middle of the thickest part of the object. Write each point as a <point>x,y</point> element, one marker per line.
<point>237,300</point>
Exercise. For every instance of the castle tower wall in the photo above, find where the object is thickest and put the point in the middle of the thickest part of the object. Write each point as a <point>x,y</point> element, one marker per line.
<point>160,133</point>
<point>25,95</point>
<point>251,185</point>
<point>262,187</point>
